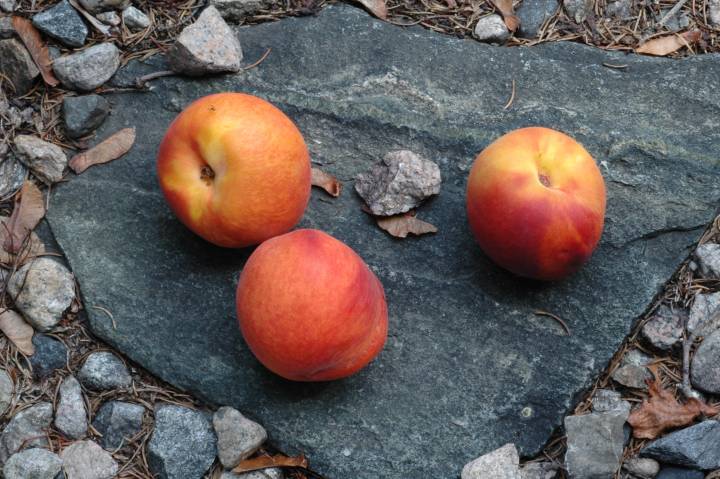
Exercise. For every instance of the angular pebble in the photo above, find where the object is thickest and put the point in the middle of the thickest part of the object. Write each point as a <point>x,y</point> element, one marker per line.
<point>12,175</point>
<point>87,460</point>
<point>63,23</point>
<point>708,258</point>
<point>26,429</point>
<point>618,9</point>
<point>43,290</point>
<point>6,28</point>
<point>97,6</point>
<point>491,29</point>
<point>273,473</point>
<point>595,443</point>
<point>118,422</point>
<point>88,69</point>
<point>71,415</point>
<point>696,447</point>
<point>134,19</point>
<point>33,463</point>
<point>50,355</point>
<point>642,467</point>
<point>45,159</point>
<point>6,391</point>
<point>83,114</point>
<point>539,470</point>
<point>400,183</point>
<point>502,463</point>
<point>714,12</point>
<point>183,445</point>
<point>705,365</point>
<point>207,46</point>
<point>18,66</point>
<point>103,371</point>
<point>606,400</point>
<point>237,437</point>
<point>703,308</point>
<point>665,328</point>
<point>533,14</point>
<point>578,10</point>
<point>109,18</point>
<point>236,10</point>
<point>632,371</point>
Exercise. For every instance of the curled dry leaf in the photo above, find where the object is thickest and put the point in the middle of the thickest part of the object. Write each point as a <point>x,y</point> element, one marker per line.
<point>505,7</point>
<point>109,149</point>
<point>668,44</point>
<point>661,411</point>
<point>326,181</point>
<point>376,7</point>
<point>17,331</point>
<point>403,224</point>
<point>36,46</point>
<point>265,462</point>
<point>29,210</point>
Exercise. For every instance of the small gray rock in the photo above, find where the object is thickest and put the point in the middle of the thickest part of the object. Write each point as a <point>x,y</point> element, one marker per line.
<point>679,473</point>
<point>87,460</point>
<point>400,183</point>
<point>45,159</point>
<point>103,371</point>
<point>118,422</point>
<point>236,10</point>
<point>642,467</point>
<point>696,447</point>
<point>83,114</point>
<point>665,328</point>
<point>12,175</point>
<point>8,6</point>
<point>594,444</point>
<point>713,12</point>
<point>50,355</point>
<point>97,6</point>
<point>207,46</point>
<point>502,463</point>
<point>17,65</point>
<point>26,429</point>
<point>273,473</point>
<point>63,23</point>
<point>6,28</point>
<point>134,19</point>
<point>109,18</point>
<point>183,445</point>
<point>88,69</point>
<point>578,10</point>
<point>6,391</point>
<point>708,258</point>
<point>33,463</point>
<point>491,29</point>
<point>618,9</point>
<point>43,290</point>
<point>703,308</point>
<point>606,400</point>
<point>705,366</point>
<point>539,470</point>
<point>675,23</point>
<point>632,371</point>
<point>533,14</point>
<point>237,437</point>
<point>71,415</point>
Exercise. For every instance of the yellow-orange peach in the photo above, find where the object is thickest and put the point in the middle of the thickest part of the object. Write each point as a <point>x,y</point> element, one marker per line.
<point>309,307</point>
<point>235,169</point>
<point>536,203</point>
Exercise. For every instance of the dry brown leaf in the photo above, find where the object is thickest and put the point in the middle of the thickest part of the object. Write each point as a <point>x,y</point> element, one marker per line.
<point>264,462</point>
<point>29,210</point>
<point>666,45</point>
<point>403,224</point>
<point>326,181</point>
<point>17,331</point>
<point>661,411</point>
<point>32,248</point>
<point>505,7</point>
<point>111,148</point>
<point>36,46</point>
<point>376,7</point>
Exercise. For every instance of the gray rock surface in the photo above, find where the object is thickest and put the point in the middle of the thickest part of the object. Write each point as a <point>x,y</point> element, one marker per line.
<point>236,10</point>
<point>401,182</point>
<point>43,290</point>
<point>33,463</point>
<point>264,474</point>
<point>665,328</point>
<point>183,444</point>
<point>70,413</point>
<point>50,355</point>
<point>87,460</point>
<point>594,444</point>
<point>45,159</point>
<point>17,66</point>
<point>6,391</point>
<point>88,69</point>
<point>714,12</point>
<point>118,422</point>
<point>696,447</point>
<point>491,29</point>
<point>97,6</point>
<point>539,470</point>
<point>103,371</point>
<point>704,308</point>
<point>207,46</point>
<point>237,436</point>
<point>632,371</point>
<point>27,428</point>
<point>6,28</point>
<point>679,473</point>
<point>532,15</point>
<point>606,400</point>
<point>83,114</point>
<point>63,23</point>
<point>12,175</point>
<point>705,365</point>
<point>642,467</point>
<point>357,88</point>
<point>502,463</point>
<point>619,9</point>
<point>135,19</point>
<point>578,10</point>
<point>708,258</point>
<point>109,18</point>
<point>8,6</point>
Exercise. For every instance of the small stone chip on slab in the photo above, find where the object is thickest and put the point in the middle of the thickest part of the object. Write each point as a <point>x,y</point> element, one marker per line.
<point>17,66</point>
<point>88,69</point>
<point>83,114</point>
<point>236,10</point>
<point>43,290</point>
<point>27,428</point>
<point>87,460</point>
<point>696,447</point>
<point>6,391</point>
<point>103,371</point>
<point>70,415</point>
<point>33,463</point>
<point>63,23</point>
<point>491,29</point>
<point>502,463</point>
<point>207,46</point>
<point>595,443</point>
<point>45,159</point>
<point>118,422</point>
<point>705,366</point>
<point>135,19</point>
<point>237,437</point>
<point>400,183</point>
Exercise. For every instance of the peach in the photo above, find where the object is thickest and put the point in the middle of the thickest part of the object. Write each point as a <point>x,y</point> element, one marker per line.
<point>536,203</point>
<point>234,169</point>
<point>309,307</point>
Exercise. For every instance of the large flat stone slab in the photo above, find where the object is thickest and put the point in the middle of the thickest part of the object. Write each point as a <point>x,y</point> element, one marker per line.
<point>467,366</point>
